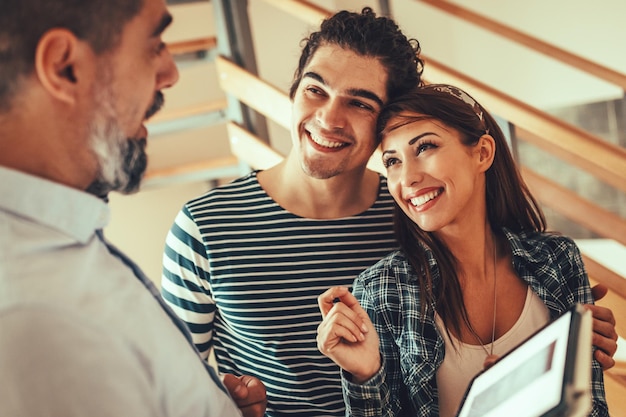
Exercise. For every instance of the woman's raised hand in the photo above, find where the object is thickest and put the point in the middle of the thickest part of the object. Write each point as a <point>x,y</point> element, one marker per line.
<point>346,334</point>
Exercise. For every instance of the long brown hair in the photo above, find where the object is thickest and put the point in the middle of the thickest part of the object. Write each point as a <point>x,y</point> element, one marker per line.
<point>509,202</point>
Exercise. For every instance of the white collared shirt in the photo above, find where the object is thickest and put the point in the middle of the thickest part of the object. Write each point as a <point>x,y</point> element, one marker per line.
<point>79,334</point>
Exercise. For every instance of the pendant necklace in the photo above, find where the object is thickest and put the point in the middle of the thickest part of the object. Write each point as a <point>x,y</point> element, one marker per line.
<point>490,356</point>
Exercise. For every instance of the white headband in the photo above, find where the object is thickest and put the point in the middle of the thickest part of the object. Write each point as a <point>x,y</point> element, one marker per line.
<point>463,96</point>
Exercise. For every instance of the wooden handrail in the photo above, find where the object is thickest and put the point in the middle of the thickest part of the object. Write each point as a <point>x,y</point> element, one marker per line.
<point>565,141</point>
<point>619,372</point>
<point>169,115</point>
<point>313,14</point>
<point>553,147</point>
<point>251,149</point>
<point>537,45</point>
<point>267,99</point>
<point>192,46</point>
<point>187,169</point>
<point>570,205</point>
<point>257,93</point>
<point>615,388</point>
<point>611,279</point>
<point>254,92</point>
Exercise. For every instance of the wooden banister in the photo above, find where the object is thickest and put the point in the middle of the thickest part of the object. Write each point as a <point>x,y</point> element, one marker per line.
<point>169,115</point>
<point>615,388</point>
<point>155,175</point>
<point>581,211</point>
<point>251,149</point>
<point>313,14</point>
<point>611,279</point>
<point>192,46</point>
<point>537,45</point>
<point>619,372</point>
<point>249,88</point>
<point>254,92</point>
<point>564,140</point>
<point>553,147</point>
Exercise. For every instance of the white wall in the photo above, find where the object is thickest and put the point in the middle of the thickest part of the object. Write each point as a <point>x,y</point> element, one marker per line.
<point>140,222</point>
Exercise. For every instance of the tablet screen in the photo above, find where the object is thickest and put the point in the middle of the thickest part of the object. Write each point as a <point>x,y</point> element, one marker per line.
<point>528,381</point>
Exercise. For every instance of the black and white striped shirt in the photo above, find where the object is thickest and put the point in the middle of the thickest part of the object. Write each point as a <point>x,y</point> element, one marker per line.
<point>245,274</point>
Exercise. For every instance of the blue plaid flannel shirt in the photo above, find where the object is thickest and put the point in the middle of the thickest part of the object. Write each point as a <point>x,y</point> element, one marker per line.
<point>411,346</point>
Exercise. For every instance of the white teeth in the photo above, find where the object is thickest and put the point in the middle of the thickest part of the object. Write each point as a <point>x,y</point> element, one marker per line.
<point>424,198</point>
<point>325,143</point>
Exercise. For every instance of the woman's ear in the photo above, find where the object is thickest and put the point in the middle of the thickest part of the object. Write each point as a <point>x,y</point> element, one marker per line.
<point>56,60</point>
<point>487,151</point>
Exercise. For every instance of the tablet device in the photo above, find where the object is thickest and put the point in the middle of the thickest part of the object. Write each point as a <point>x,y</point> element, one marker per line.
<point>549,374</point>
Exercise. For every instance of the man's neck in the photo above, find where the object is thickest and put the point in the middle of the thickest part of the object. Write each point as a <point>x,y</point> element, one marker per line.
<point>43,140</point>
<point>344,195</point>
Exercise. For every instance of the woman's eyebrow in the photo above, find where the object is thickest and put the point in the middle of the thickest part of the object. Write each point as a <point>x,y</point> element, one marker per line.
<point>418,137</point>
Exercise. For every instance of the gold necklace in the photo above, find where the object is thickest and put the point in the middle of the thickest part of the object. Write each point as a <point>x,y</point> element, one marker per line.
<point>490,355</point>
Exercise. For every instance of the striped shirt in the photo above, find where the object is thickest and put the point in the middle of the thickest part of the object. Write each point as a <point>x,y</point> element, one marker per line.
<point>245,274</point>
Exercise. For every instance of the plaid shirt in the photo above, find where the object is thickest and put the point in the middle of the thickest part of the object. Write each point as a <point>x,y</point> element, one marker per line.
<point>412,348</point>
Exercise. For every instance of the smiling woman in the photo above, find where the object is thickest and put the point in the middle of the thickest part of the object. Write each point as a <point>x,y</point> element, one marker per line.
<point>475,274</point>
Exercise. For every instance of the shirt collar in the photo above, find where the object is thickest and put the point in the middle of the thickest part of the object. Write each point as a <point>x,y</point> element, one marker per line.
<point>71,211</point>
<point>526,246</point>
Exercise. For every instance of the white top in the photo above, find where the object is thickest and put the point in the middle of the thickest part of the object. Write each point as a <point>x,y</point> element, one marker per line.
<point>79,333</point>
<point>461,365</point>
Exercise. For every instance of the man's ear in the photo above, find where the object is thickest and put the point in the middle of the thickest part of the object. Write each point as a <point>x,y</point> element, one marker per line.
<point>59,60</point>
<point>487,151</point>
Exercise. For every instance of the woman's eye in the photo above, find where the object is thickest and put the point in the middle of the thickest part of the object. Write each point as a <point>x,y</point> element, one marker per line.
<point>390,162</point>
<point>424,147</point>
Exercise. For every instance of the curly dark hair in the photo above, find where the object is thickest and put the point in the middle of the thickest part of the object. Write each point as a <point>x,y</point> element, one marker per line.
<point>371,36</point>
<point>23,22</point>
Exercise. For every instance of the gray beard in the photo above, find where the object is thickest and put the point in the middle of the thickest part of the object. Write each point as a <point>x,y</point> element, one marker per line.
<point>132,162</point>
<point>122,161</point>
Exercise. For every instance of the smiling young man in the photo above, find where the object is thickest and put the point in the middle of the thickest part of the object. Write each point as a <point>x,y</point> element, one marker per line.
<point>244,264</point>
<point>80,334</point>
<point>333,124</point>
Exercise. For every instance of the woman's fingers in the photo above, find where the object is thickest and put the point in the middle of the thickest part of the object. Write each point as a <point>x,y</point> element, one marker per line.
<point>328,298</point>
<point>341,323</point>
